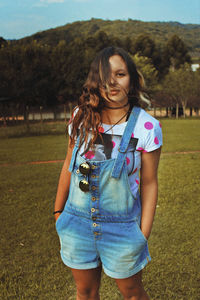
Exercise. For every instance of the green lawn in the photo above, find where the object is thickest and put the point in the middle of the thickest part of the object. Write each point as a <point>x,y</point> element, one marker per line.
<point>31,267</point>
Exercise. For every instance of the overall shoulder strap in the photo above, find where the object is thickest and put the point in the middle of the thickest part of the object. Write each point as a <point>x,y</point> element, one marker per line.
<point>118,165</point>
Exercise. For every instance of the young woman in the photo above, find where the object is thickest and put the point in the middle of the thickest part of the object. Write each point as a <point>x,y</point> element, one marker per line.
<point>101,218</point>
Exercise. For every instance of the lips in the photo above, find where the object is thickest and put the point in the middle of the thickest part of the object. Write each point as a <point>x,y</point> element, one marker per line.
<point>114,92</point>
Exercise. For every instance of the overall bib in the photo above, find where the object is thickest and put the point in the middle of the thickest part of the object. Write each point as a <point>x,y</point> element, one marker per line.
<point>103,224</point>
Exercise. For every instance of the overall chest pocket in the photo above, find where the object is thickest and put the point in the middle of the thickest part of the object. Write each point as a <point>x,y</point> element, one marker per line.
<point>78,198</point>
<point>78,176</point>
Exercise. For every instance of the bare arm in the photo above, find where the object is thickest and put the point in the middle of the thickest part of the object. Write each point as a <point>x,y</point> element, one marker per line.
<point>64,183</point>
<point>149,189</point>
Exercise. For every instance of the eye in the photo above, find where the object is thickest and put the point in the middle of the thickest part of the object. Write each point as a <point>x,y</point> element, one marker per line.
<point>121,74</point>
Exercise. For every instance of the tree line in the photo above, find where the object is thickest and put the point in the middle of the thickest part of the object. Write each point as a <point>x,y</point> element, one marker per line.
<point>159,31</point>
<point>37,74</point>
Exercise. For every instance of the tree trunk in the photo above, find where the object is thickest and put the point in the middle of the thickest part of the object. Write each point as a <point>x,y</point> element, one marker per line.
<point>54,113</point>
<point>4,121</point>
<point>65,113</point>
<point>13,114</point>
<point>167,112</point>
<point>183,110</point>
<point>190,111</point>
<point>27,118</point>
<point>41,118</point>
<point>177,109</point>
<point>70,108</point>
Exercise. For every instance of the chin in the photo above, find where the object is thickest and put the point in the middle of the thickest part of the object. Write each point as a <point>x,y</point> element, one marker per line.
<point>119,99</point>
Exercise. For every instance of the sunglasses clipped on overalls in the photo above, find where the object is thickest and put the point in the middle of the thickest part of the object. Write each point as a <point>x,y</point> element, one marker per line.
<point>84,169</point>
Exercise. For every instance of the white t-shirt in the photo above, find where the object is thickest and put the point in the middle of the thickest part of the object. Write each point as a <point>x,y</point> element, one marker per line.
<point>147,136</point>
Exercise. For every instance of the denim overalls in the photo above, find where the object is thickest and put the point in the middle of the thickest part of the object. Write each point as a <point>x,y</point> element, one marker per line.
<point>103,224</point>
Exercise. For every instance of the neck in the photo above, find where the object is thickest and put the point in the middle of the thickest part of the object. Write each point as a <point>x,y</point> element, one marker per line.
<point>117,107</point>
<point>111,116</point>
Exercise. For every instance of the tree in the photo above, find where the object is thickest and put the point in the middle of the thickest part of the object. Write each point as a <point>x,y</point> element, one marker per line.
<point>69,68</point>
<point>102,40</point>
<point>178,85</point>
<point>177,52</point>
<point>3,42</point>
<point>194,98</point>
<point>128,44</point>
<point>148,71</point>
<point>145,46</point>
<point>25,75</point>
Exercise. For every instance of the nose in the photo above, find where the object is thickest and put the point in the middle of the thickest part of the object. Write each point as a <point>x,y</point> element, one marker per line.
<point>112,81</point>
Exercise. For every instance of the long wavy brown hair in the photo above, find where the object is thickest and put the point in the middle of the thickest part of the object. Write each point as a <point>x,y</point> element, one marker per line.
<point>87,115</point>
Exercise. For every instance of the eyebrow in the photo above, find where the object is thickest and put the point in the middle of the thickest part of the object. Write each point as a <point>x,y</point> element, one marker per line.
<point>120,70</point>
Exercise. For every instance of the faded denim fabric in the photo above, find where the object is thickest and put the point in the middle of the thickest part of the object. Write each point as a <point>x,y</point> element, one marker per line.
<point>103,225</point>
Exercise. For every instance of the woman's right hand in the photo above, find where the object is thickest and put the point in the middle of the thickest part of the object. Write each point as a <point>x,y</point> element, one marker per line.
<point>57,216</point>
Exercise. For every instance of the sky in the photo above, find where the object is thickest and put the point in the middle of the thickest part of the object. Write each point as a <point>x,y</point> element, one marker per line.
<point>20,18</point>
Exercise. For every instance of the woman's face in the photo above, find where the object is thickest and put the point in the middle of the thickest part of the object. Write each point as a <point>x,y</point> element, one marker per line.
<point>117,91</point>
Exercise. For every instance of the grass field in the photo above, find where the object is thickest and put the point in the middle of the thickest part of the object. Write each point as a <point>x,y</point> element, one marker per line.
<point>30,266</point>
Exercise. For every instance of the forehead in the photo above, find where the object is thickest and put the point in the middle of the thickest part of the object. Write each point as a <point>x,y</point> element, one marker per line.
<point>117,63</point>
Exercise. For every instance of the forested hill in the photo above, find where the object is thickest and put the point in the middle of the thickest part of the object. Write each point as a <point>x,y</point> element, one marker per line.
<point>160,32</point>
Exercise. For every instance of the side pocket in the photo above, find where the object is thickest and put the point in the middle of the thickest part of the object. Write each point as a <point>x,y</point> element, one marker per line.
<point>140,231</point>
<point>62,222</point>
<point>58,219</point>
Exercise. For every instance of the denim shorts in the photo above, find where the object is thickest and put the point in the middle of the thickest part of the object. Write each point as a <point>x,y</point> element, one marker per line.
<point>120,247</point>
